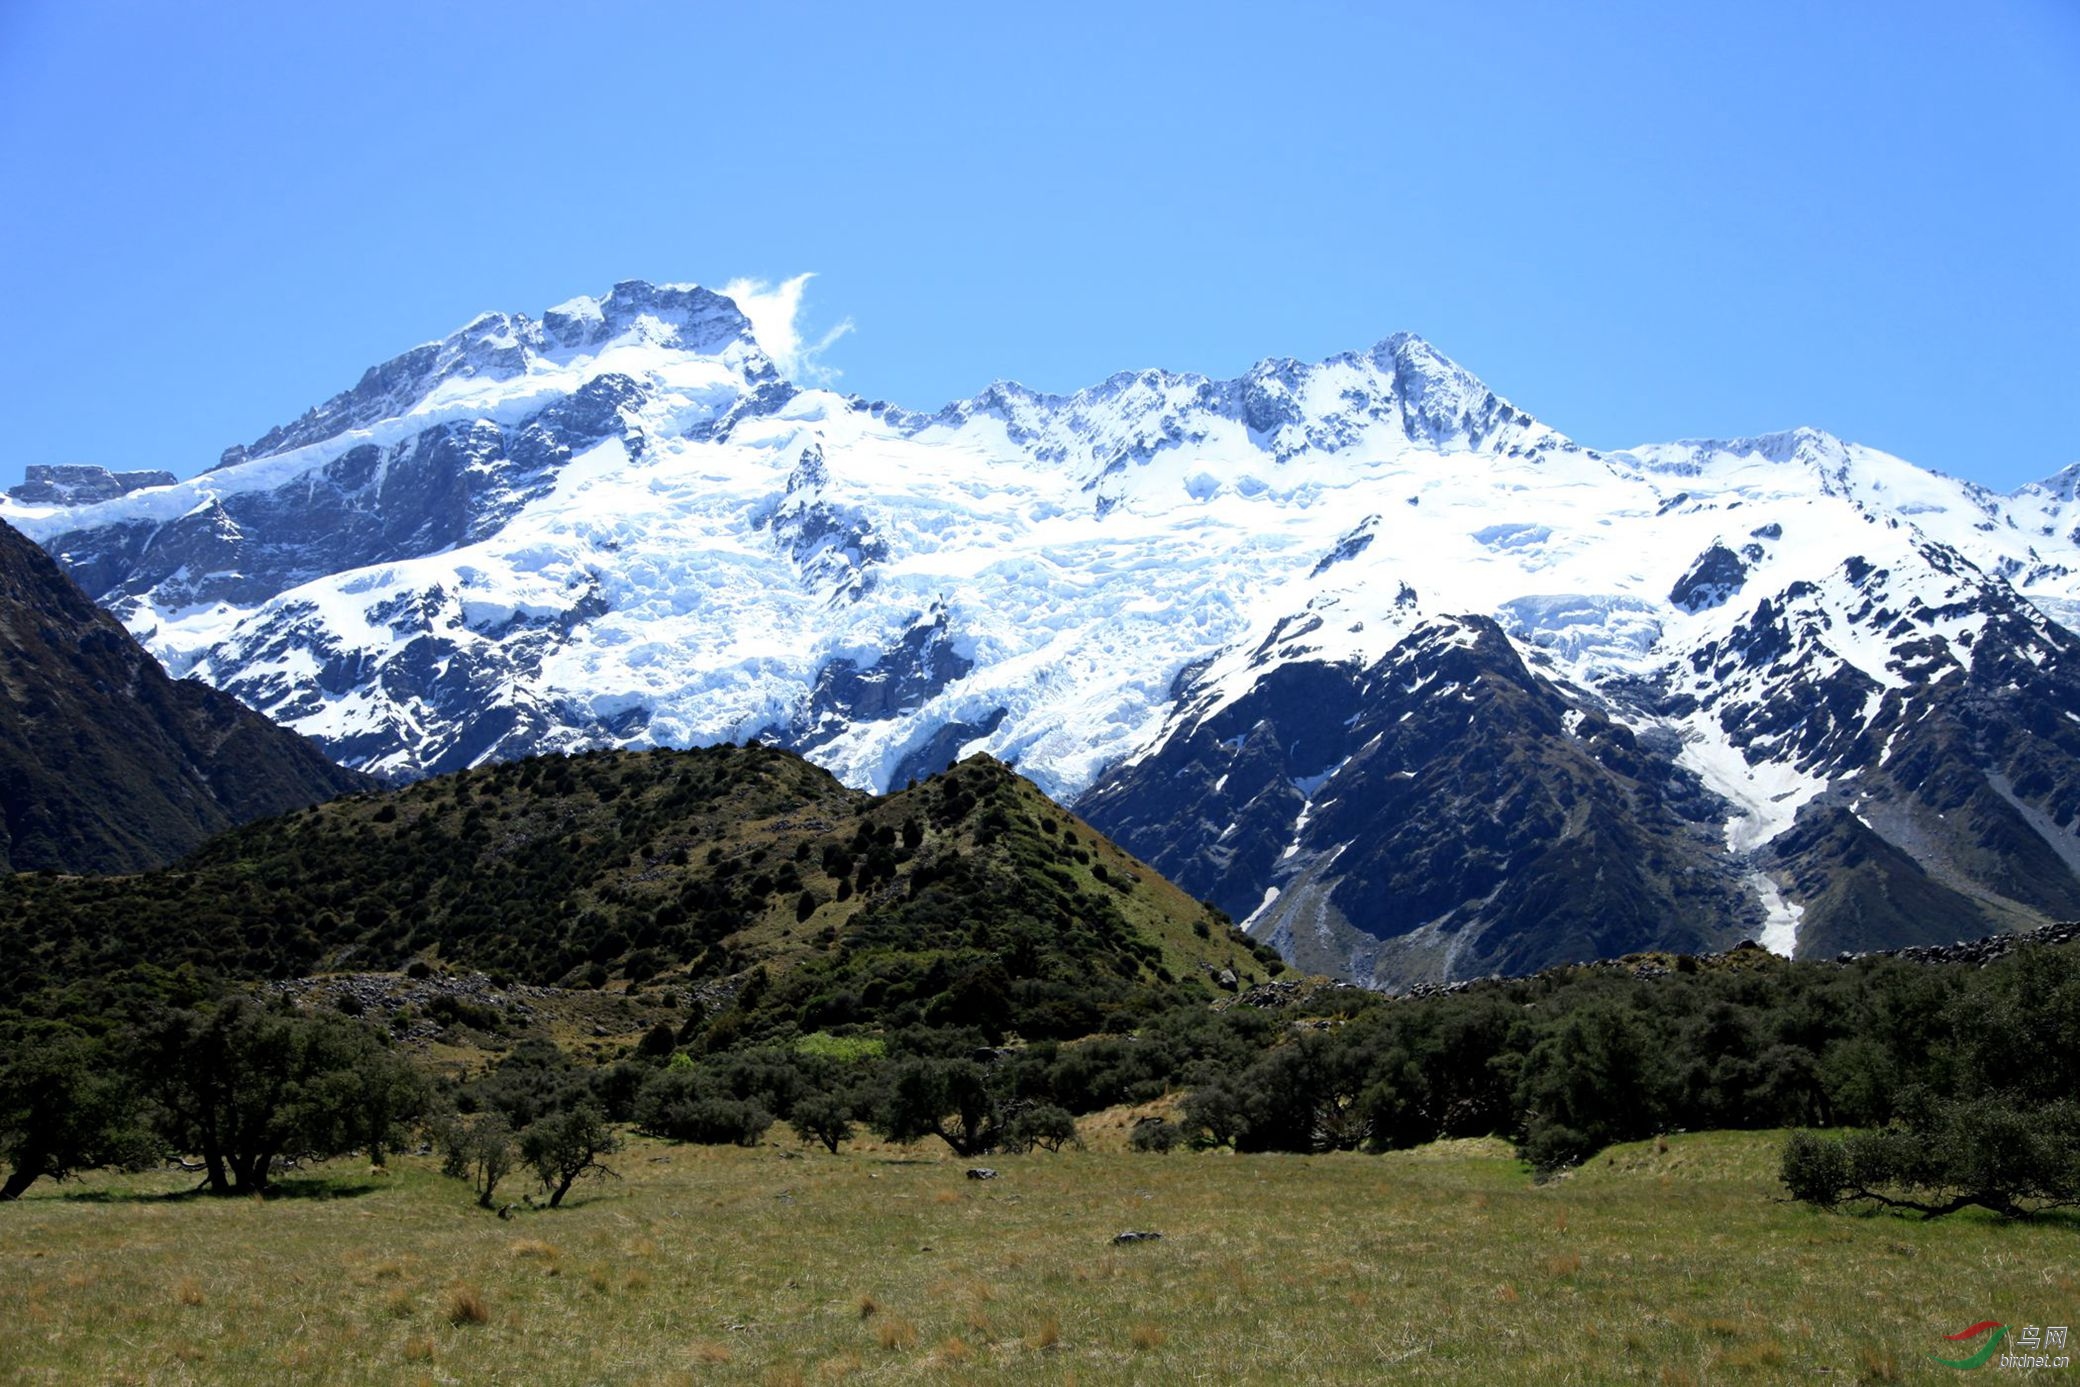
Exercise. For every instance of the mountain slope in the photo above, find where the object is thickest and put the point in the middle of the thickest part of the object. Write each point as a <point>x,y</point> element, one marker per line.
<point>105,763</point>
<point>618,526</point>
<point>966,899</point>
<point>1443,812</point>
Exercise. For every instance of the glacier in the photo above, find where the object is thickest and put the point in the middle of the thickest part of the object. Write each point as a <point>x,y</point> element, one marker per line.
<point>621,525</point>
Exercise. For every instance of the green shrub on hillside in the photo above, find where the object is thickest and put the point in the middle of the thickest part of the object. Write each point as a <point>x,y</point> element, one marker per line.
<point>1991,1152</point>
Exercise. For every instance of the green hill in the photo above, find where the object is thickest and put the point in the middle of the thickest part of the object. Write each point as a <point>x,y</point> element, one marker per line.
<point>968,898</point>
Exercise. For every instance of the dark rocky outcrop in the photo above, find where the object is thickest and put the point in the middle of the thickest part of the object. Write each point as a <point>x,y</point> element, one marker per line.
<point>80,484</point>
<point>108,765</point>
<point>1444,813</point>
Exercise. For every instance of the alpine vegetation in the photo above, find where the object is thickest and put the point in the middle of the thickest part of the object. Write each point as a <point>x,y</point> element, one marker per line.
<point>1357,650</point>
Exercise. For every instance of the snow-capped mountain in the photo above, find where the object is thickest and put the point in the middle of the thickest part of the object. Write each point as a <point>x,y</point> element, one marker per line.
<point>1355,648</point>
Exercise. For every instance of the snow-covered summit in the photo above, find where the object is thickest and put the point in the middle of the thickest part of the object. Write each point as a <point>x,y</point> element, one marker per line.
<point>2062,485</point>
<point>620,525</point>
<point>1401,395</point>
<point>502,347</point>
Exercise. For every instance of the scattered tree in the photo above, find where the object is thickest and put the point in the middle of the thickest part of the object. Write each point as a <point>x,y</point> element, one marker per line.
<point>62,1110</point>
<point>566,1146</point>
<point>824,1117</point>
<point>948,1099</point>
<point>478,1149</point>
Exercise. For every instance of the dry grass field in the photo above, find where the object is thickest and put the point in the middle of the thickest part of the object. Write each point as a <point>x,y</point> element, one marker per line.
<point>1671,1262</point>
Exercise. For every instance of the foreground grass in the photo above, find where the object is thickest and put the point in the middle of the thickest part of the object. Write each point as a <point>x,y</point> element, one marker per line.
<point>1667,1263</point>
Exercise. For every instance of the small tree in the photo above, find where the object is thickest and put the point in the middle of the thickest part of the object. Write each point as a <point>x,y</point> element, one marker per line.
<point>566,1146</point>
<point>657,1042</point>
<point>375,1092</point>
<point>1215,1113</point>
<point>246,1087</point>
<point>952,1100</point>
<point>1046,1126</point>
<point>824,1117</point>
<point>1597,1077</point>
<point>478,1149</point>
<point>62,1110</point>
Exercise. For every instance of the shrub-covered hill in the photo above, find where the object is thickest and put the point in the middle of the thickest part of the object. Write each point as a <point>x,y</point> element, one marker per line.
<point>966,899</point>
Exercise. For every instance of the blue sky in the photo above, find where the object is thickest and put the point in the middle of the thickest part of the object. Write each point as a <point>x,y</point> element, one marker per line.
<point>1638,221</point>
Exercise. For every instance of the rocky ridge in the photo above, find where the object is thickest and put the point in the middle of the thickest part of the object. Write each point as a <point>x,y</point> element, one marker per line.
<point>1583,702</point>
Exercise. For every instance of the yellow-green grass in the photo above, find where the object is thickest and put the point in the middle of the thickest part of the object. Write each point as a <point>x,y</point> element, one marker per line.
<point>779,1264</point>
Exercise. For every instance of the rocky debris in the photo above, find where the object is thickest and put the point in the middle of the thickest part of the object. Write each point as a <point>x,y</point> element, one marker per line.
<point>1973,952</point>
<point>405,1002</point>
<point>981,1172</point>
<point>1977,952</point>
<point>1446,989</point>
<point>1270,996</point>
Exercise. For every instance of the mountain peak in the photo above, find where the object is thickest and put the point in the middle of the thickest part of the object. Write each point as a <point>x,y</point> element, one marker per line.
<point>2062,485</point>
<point>1804,446</point>
<point>1413,606</point>
<point>500,346</point>
<point>685,316</point>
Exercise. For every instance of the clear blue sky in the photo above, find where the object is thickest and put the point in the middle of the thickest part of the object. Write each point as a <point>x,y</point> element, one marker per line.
<point>1639,221</point>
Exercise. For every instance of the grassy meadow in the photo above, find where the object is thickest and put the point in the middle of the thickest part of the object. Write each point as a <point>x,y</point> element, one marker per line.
<point>1664,1262</point>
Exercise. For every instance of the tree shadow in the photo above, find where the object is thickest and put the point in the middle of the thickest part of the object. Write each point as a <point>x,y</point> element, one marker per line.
<point>303,1188</point>
<point>2064,1216</point>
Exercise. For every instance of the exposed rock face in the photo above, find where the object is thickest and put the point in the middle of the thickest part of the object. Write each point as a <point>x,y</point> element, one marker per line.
<point>77,484</point>
<point>1399,674</point>
<point>1443,813</point>
<point>107,765</point>
<point>1715,577</point>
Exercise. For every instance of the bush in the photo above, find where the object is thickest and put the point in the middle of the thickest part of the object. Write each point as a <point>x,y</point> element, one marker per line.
<point>1156,1135</point>
<point>1551,1147</point>
<point>691,1104</point>
<point>823,1117</point>
<point>1815,1169</point>
<point>1045,1126</point>
<point>454,1011</point>
<point>1945,1155</point>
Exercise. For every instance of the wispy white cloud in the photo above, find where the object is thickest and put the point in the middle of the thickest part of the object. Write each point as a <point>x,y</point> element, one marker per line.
<point>775,312</point>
